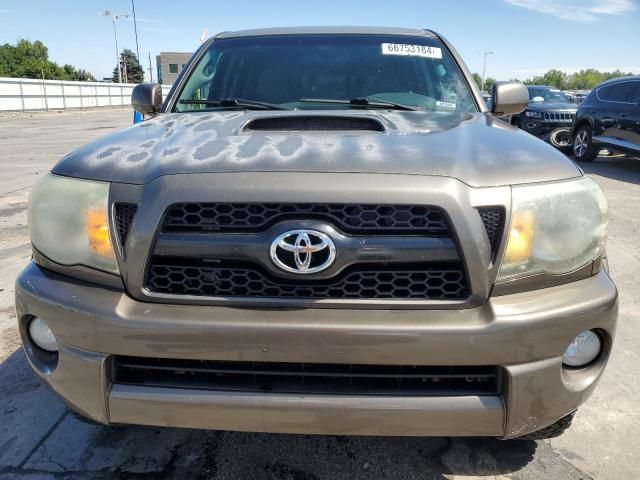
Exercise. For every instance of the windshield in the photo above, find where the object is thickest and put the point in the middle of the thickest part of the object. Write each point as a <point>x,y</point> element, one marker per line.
<point>547,94</point>
<point>291,71</point>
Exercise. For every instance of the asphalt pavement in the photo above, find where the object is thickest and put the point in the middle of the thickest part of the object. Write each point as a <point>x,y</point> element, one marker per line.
<point>40,439</point>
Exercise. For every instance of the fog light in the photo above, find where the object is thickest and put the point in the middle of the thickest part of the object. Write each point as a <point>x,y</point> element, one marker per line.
<point>42,335</point>
<point>583,349</point>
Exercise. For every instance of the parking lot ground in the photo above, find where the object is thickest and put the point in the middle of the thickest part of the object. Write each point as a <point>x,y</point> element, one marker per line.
<point>40,439</point>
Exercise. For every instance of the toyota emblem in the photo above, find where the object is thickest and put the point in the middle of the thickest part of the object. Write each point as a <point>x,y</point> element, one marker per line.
<point>303,251</point>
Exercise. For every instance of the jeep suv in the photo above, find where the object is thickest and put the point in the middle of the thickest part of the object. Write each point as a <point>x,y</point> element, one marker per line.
<point>548,116</point>
<point>321,230</point>
<point>609,118</point>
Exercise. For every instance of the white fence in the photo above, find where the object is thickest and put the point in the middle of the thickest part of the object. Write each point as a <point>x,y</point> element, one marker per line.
<point>24,94</point>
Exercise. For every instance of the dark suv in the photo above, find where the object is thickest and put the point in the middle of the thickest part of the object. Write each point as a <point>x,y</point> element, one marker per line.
<point>609,118</point>
<point>548,115</point>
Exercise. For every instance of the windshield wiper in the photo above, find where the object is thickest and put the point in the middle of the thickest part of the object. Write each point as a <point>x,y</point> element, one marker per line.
<point>362,102</point>
<point>234,102</point>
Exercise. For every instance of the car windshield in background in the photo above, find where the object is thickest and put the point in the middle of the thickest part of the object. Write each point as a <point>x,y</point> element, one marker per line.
<point>547,94</point>
<point>326,72</point>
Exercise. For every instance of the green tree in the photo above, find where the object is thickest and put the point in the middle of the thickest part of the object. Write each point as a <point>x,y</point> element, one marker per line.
<point>132,70</point>
<point>488,83</point>
<point>70,71</point>
<point>555,78</point>
<point>7,60</point>
<point>478,79</point>
<point>83,75</point>
<point>28,59</point>
<point>78,74</point>
<point>583,80</point>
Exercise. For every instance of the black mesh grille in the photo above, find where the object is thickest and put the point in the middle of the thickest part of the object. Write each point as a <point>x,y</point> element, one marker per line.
<point>308,378</point>
<point>377,219</point>
<point>227,276</point>
<point>410,282</point>
<point>493,219</point>
<point>124,216</point>
<point>322,123</point>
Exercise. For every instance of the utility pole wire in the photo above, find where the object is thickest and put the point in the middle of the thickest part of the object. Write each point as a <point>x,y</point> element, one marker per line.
<point>114,18</point>
<point>135,29</point>
<point>150,68</point>
<point>484,68</point>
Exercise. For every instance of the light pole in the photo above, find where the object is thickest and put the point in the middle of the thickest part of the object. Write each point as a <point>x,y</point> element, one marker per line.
<point>150,68</point>
<point>114,18</point>
<point>484,68</point>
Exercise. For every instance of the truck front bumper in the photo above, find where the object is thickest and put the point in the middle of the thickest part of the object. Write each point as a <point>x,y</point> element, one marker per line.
<point>525,334</point>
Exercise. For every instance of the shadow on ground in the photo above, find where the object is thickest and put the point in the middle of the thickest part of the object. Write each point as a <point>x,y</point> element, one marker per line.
<point>39,438</point>
<point>624,169</point>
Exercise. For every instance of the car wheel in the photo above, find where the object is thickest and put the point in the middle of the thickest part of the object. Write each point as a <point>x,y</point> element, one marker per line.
<point>553,430</point>
<point>561,139</point>
<point>583,148</point>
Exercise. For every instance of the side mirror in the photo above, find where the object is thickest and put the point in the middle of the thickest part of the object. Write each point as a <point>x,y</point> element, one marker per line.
<point>146,98</point>
<point>509,98</point>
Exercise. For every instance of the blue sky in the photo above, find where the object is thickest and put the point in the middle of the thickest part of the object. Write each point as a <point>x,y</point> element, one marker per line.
<point>527,36</point>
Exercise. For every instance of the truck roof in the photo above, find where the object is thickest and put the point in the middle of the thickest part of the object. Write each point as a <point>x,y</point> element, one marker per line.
<point>335,30</point>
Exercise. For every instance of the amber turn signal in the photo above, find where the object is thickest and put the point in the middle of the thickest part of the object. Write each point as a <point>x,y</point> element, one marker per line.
<point>520,241</point>
<point>98,231</point>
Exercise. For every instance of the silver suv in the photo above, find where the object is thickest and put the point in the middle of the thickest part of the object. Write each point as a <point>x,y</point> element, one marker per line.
<point>321,230</point>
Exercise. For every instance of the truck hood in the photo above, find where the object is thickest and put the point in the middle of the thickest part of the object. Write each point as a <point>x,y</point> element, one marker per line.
<point>475,148</point>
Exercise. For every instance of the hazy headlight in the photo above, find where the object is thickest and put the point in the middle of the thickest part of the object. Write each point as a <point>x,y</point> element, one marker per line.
<point>532,114</point>
<point>555,228</point>
<point>68,222</point>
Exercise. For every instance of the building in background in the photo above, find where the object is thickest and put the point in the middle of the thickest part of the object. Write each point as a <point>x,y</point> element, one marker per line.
<point>169,65</point>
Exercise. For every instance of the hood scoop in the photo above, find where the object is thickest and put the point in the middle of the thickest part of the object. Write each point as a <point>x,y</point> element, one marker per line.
<point>321,123</point>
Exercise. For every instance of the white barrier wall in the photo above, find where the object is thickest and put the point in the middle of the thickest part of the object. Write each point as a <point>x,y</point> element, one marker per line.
<point>32,94</point>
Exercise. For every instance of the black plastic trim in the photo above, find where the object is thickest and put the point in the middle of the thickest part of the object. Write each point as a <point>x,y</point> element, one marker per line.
<point>308,378</point>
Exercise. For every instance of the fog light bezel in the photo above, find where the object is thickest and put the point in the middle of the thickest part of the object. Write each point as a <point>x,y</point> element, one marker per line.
<point>44,362</point>
<point>601,343</point>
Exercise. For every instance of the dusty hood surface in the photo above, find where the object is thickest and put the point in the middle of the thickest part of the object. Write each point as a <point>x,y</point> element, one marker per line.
<point>474,148</point>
